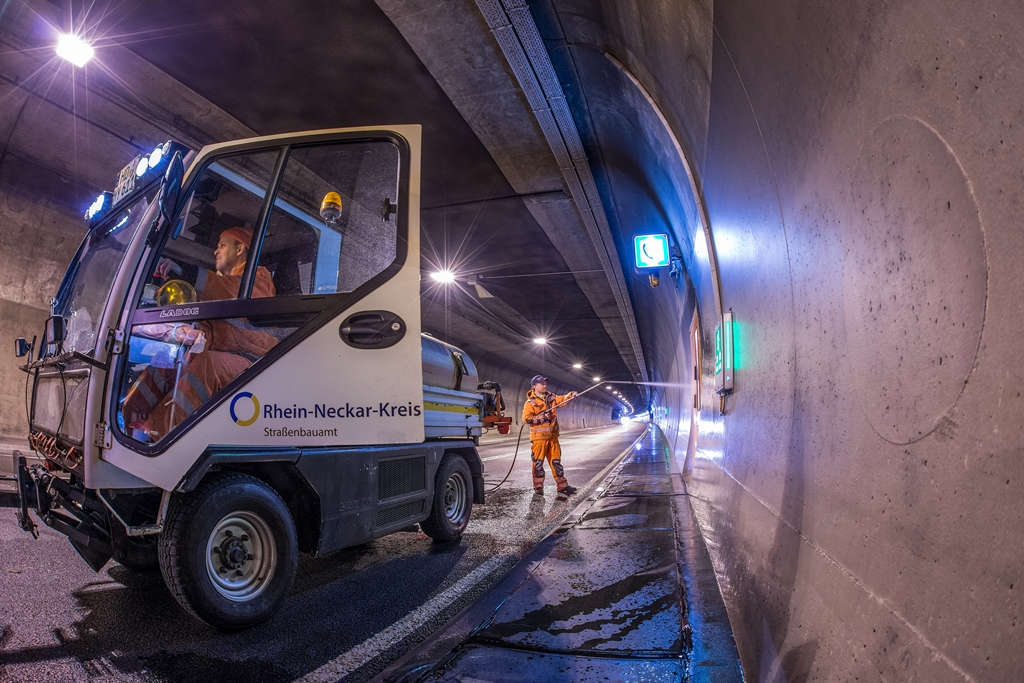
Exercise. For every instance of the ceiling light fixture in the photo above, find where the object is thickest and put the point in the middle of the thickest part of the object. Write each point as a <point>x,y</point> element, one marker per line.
<point>74,49</point>
<point>445,277</point>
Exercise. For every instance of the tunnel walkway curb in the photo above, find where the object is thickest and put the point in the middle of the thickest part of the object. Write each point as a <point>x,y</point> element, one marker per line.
<point>602,596</point>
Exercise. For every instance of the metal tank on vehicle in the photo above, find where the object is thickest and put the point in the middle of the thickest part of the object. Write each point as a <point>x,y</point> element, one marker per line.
<point>451,398</point>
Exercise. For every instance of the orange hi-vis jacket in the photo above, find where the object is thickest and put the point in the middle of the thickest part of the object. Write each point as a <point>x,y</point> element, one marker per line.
<point>547,427</point>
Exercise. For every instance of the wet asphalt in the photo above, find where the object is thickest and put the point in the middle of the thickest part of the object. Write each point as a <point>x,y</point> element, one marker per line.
<point>350,614</point>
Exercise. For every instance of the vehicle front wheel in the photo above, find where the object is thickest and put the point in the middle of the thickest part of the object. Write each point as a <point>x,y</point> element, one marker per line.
<point>228,551</point>
<point>453,500</point>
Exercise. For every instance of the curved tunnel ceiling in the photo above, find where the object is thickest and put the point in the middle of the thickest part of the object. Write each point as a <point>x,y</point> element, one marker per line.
<point>327,65</point>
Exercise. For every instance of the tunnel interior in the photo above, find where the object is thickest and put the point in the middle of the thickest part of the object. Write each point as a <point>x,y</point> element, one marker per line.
<point>844,180</point>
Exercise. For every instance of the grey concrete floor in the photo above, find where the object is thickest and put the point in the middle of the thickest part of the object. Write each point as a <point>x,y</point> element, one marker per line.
<point>349,615</point>
<point>624,590</point>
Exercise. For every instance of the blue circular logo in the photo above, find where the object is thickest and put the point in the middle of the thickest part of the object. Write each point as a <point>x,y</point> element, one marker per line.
<point>255,408</point>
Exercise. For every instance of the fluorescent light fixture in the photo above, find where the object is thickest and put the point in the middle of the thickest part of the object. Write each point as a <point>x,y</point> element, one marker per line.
<point>445,277</point>
<point>74,49</point>
<point>577,366</point>
<point>540,341</point>
<point>596,379</point>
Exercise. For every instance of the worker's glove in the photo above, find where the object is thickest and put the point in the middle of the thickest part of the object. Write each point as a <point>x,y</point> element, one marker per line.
<point>572,395</point>
<point>165,267</point>
<point>188,335</point>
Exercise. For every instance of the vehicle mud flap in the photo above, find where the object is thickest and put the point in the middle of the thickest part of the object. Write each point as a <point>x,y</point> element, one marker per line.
<point>25,487</point>
<point>93,556</point>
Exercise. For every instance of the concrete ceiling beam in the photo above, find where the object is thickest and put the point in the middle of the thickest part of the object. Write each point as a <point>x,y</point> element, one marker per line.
<point>488,76</point>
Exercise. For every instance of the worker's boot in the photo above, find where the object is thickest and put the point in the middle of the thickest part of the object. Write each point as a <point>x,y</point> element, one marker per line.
<point>568,490</point>
<point>538,491</point>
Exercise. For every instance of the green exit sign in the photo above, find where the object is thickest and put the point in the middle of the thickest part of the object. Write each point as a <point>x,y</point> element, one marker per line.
<point>724,354</point>
<point>718,350</point>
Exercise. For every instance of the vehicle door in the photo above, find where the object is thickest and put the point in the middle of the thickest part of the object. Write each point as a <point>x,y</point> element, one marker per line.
<point>279,308</point>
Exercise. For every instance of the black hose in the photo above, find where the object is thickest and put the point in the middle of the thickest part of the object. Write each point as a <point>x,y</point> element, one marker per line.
<point>510,467</point>
<point>519,440</point>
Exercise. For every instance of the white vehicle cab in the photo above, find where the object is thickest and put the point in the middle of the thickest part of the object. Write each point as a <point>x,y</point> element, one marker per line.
<point>234,370</point>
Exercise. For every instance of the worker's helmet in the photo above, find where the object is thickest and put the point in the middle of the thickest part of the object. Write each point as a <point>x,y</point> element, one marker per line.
<point>537,379</point>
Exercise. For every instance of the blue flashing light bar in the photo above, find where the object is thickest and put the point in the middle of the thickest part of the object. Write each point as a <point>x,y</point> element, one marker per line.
<point>140,169</point>
<point>99,206</point>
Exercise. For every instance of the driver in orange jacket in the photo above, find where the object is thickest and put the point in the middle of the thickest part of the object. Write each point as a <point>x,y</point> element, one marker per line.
<point>540,413</point>
<point>219,349</point>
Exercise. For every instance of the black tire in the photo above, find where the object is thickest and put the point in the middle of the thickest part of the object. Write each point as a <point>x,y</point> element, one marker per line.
<point>238,529</point>
<point>453,500</point>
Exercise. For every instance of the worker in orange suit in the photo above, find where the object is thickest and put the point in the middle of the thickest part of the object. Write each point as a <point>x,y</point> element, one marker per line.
<point>219,350</point>
<point>541,413</point>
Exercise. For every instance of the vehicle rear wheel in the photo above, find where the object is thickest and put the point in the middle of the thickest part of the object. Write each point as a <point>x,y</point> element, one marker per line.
<point>453,500</point>
<point>229,551</point>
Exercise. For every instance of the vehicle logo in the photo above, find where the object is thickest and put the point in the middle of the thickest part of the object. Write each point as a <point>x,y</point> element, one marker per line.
<point>255,408</point>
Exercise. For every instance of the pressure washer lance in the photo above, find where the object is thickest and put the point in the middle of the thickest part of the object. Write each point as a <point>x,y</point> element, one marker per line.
<point>520,437</point>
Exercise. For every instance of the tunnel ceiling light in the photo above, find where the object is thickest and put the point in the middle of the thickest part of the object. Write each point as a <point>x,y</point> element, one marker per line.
<point>74,49</point>
<point>445,277</point>
<point>596,378</point>
<point>577,366</point>
<point>540,341</point>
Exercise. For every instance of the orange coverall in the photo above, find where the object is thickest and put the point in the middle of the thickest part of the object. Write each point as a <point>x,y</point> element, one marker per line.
<point>544,437</point>
<point>231,347</point>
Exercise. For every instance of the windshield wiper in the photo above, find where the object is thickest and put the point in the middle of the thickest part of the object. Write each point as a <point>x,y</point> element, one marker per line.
<point>62,359</point>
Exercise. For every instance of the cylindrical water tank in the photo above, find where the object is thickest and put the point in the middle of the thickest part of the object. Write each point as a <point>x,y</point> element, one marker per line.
<point>447,366</point>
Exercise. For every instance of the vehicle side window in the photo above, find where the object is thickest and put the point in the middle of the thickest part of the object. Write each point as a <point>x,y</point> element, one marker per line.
<point>177,367</point>
<point>333,225</point>
<point>174,369</point>
<point>205,260</point>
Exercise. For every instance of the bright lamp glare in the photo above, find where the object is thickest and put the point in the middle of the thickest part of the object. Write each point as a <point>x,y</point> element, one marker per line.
<point>156,156</point>
<point>445,277</point>
<point>596,379</point>
<point>74,49</point>
<point>143,166</point>
<point>577,366</point>
<point>540,341</point>
<point>96,206</point>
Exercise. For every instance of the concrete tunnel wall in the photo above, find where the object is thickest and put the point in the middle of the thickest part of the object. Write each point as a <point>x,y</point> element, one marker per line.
<point>861,172</point>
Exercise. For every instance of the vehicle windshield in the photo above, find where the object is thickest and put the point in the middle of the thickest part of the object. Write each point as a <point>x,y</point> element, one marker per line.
<point>91,274</point>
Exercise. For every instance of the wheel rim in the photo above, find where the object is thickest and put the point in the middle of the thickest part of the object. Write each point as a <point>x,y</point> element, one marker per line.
<point>455,498</point>
<point>241,556</point>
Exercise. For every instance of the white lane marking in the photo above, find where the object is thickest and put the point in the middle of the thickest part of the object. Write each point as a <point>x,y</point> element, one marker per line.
<point>349,661</point>
<point>372,647</point>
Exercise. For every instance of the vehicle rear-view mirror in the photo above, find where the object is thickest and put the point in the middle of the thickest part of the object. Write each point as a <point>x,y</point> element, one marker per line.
<point>171,187</point>
<point>21,347</point>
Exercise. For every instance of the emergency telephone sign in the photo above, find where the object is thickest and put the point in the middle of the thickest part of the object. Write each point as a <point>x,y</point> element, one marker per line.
<point>651,251</point>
